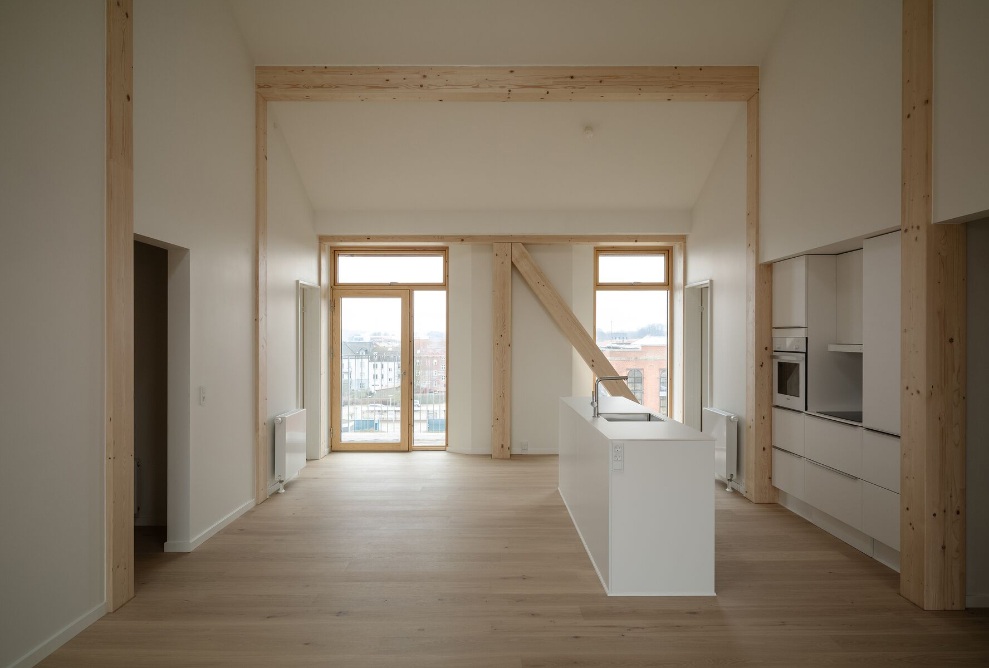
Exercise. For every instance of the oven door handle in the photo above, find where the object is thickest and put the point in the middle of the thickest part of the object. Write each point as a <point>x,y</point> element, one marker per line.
<point>789,357</point>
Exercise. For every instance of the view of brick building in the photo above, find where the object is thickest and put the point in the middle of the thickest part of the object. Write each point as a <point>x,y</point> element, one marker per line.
<point>644,362</point>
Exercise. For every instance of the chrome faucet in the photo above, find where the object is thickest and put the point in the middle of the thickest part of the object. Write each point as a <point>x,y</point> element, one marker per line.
<point>597,389</point>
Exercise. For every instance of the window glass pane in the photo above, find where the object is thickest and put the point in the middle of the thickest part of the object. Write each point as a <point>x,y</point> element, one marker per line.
<point>635,382</point>
<point>371,370</point>
<point>361,268</point>
<point>429,367</point>
<point>632,268</point>
<point>631,330</point>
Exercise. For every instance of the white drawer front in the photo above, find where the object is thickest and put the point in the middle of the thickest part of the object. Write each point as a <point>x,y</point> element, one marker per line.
<point>833,444</point>
<point>840,496</point>
<point>881,460</point>
<point>788,430</point>
<point>788,473</point>
<point>881,514</point>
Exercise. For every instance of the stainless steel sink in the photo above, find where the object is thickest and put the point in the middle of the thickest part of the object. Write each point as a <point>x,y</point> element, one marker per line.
<point>631,417</point>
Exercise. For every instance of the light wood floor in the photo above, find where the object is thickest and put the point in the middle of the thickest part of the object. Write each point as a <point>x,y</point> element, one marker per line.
<point>437,559</point>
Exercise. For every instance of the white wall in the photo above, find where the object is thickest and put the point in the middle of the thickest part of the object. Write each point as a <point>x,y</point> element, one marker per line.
<point>52,290</point>
<point>830,125</point>
<point>582,303</point>
<point>543,364</point>
<point>471,340</point>
<point>716,251</point>
<point>961,104</point>
<point>293,255</point>
<point>502,222</point>
<point>194,188</point>
<point>541,355</point>
<point>977,439</point>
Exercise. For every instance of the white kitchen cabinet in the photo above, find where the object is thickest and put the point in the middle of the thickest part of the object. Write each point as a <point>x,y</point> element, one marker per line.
<point>788,430</point>
<point>849,288</point>
<point>881,514</point>
<point>788,472</point>
<point>833,444</point>
<point>881,333</point>
<point>790,292</point>
<point>837,494</point>
<point>881,459</point>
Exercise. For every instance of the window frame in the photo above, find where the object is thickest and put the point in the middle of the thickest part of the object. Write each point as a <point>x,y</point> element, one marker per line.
<point>658,286</point>
<point>394,251</point>
<point>665,251</point>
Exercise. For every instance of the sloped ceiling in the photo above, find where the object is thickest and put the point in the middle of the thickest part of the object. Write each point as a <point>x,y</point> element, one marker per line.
<point>477,156</point>
<point>517,156</point>
<point>509,32</point>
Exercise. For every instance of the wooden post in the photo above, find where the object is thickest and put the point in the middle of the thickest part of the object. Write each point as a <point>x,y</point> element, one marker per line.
<point>119,303</point>
<point>501,414</point>
<point>758,332</point>
<point>568,323</point>
<point>932,486</point>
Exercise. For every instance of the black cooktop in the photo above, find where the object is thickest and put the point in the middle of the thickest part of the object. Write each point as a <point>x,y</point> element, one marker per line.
<point>851,416</point>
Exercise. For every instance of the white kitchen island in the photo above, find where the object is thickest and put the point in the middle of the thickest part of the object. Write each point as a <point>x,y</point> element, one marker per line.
<point>641,495</point>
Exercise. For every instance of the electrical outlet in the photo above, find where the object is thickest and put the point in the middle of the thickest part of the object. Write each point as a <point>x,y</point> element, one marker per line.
<point>525,446</point>
<point>618,457</point>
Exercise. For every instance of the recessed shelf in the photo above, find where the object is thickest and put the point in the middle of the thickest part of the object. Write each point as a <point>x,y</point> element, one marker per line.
<point>845,347</point>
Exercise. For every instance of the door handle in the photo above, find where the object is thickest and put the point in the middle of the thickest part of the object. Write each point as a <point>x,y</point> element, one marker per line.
<point>832,469</point>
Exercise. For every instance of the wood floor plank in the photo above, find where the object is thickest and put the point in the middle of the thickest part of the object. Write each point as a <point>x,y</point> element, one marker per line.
<point>438,559</point>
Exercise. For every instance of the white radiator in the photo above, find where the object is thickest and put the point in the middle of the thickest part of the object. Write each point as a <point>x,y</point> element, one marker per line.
<point>290,446</point>
<point>723,427</point>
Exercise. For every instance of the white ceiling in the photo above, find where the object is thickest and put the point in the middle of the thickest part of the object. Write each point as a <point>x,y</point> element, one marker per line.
<point>509,32</point>
<point>518,156</point>
<point>476,156</point>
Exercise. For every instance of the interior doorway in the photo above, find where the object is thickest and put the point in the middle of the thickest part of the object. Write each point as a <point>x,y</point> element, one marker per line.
<point>150,398</point>
<point>697,354</point>
<point>163,397</point>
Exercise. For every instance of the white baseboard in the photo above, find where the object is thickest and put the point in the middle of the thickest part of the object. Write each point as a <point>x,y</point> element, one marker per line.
<point>36,655</point>
<point>977,601</point>
<point>862,542</point>
<point>190,545</point>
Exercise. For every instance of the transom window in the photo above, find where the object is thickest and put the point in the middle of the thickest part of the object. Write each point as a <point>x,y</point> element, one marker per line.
<point>390,267</point>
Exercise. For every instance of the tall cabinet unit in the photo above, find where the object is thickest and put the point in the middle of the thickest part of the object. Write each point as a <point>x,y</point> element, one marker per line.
<point>839,474</point>
<point>881,333</point>
<point>805,290</point>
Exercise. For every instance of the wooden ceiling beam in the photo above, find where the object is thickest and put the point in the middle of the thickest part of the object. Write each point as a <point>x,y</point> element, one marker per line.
<point>426,239</point>
<point>507,84</point>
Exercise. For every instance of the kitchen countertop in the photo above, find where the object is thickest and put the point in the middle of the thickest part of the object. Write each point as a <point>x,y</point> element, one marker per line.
<point>666,430</point>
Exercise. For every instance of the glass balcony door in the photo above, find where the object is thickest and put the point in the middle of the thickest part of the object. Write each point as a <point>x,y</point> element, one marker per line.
<point>371,370</point>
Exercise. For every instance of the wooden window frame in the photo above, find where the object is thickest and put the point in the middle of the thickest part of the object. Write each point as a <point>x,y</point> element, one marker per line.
<point>332,252</point>
<point>666,286</point>
<point>337,251</point>
<point>666,252</point>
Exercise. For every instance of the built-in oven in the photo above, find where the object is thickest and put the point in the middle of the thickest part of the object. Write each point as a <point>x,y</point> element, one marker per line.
<point>790,371</point>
